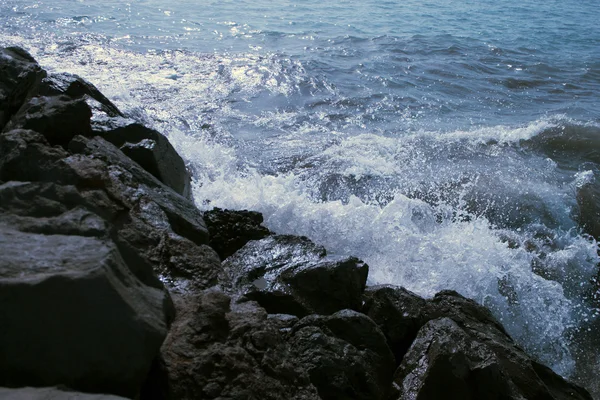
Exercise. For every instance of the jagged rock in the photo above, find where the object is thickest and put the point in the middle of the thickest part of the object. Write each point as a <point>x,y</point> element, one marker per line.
<point>230,230</point>
<point>531,379</point>
<point>72,313</point>
<point>398,312</point>
<point>444,362</point>
<point>19,76</point>
<point>58,118</point>
<point>404,319</point>
<point>76,87</point>
<point>148,148</point>
<point>51,394</point>
<point>219,350</point>
<point>129,183</point>
<point>345,354</point>
<point>186,265</point>
<point>292,275</point>
<point>27,156</point>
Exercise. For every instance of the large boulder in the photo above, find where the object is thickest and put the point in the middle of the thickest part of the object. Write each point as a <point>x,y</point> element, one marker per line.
<point>20,75</point>
<point>220,350</point>
<point>444,362</point>
<point>451,344</point>
<point>345,354</point>
<point>73,313</point>
<point>58,118</point>
<point>398,312</point>
<point>292,275</point>
<point>149,148</point>
<point>230,230</point>
<point>30,393</point>
<point>76,87</point>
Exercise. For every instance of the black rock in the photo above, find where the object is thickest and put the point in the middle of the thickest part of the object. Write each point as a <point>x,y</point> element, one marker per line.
<point>76,87</point>
<point>58,118</point>
<point>73,313</point>
<point>398,312</point>
<point>148,148</point>
<point>444,362</point>
<point>345,354</point>
<point>292,275</point>
<point>230,230</point>
<point>20,75</point>
<point>216,350</point>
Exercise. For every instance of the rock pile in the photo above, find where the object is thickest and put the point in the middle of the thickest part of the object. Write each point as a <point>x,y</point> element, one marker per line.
<point>112,282</point>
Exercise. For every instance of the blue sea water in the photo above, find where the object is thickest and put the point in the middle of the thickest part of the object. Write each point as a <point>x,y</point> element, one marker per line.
<point>447,143</point>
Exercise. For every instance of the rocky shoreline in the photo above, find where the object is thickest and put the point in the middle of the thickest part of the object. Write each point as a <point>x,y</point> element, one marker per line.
<point>113,283</point>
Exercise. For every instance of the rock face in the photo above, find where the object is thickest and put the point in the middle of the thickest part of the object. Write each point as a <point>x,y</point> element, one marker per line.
<point>292,275</point>
<point>110,282</point>
<point>457,349</point>
<point>70,302</point>
<point>20,76</point>
<point>217,349</point>
<point>345,354</point>
<point>231,230</point>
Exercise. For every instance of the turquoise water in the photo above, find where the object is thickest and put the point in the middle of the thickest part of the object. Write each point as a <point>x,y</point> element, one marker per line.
<point>444,142</point>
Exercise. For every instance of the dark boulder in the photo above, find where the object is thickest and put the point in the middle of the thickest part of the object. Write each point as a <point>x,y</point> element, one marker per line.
<point>217,349</point>
<point>73,314</point>
<point>187,266</point>
<point>51,394</point>
<point>292,275</point>
<point>149,148</point>
<point>398,312</point>
<point>27,156</point>
<point>457,346</point>
<point>345,354</point>
<point>58,118</point>
<point>531,379</point>
<point>230,230</point>
<point>129,183</point>
<point>76,87</point>
<point>444,362</point>
<point>20,75</point>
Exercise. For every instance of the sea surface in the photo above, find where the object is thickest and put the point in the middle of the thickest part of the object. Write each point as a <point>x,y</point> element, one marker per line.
<point>449,144</point>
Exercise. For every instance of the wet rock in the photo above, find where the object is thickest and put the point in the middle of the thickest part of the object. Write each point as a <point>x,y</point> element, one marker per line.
<point>219,350</point>
<point>20,75</point>
<point>73,313</point>
<point>27,156</point>
<point>345,354</point>
<point>444,362</point>
<point>398,312</point>
<point>457,348</point>
<point>150,149</point>
<point>58,118</point>
<point>530,378</point>
<point>129,183</point>
<point>588,208</point>
<point>51,394</point>
<point>186,265</point>
<point>76,87</point>
<point>292,275</point>
<point>230,230</point>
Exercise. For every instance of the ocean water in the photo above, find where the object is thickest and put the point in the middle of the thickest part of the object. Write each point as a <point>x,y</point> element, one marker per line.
<point>449,144</point>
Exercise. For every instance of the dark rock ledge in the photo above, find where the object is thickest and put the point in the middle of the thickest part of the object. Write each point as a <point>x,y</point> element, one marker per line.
<point>112,284</point>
